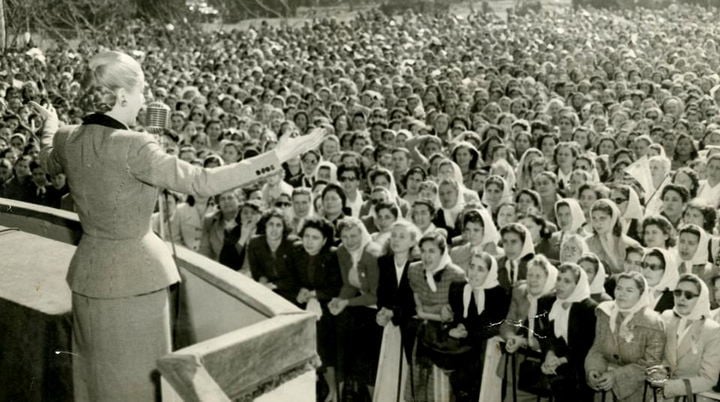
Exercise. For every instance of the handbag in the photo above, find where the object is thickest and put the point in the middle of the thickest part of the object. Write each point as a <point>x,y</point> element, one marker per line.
<point>531,379</point>
<point>443,350</point>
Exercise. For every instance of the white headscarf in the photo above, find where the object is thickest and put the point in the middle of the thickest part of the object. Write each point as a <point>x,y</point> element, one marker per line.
<point>490,232</point>
<point>548,288</point>
<point>701,254</point>
<point>607,240</point>
<point>506,192</point>
<point>451,214</point>
<point>561,315</point>
<point>528,245</point>
<point>576,213</point>
<point>612,310</point>
<point>365,239</point>
<point>669,278</point>
<point>598,283</point>
<point>509,175</point>
<point>329,165</point>
<point>430,274</point>
<point>491,281</point>
<point>701,309</point>
<point>523,179</point>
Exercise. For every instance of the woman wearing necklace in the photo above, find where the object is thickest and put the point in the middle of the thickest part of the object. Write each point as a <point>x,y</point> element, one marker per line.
<point>396,307</point>
<point>121,272</point>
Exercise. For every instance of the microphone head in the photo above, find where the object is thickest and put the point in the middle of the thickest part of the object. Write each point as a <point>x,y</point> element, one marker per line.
<point>157,115</point>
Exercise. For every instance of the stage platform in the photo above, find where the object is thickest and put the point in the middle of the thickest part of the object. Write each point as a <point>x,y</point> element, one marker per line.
<point>235,339</point>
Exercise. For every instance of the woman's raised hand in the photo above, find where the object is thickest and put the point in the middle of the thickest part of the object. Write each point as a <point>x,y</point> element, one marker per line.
<point>48,115</point>
<point>290,147</point>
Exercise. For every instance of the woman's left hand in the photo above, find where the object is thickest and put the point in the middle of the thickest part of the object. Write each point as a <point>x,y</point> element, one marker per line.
<point>606,381</point>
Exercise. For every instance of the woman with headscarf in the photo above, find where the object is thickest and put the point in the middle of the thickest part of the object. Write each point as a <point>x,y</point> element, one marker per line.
<point>359,336</point>
<point>709,190</point>
<point>572,248</point>
<point>451,206</point>
<point>448,169</point>
<point>325,171</point>
<point>607,241</point>
<point>496,192</point>
<point>504,169</point>
<point>692,349</point>
<point>522,174</point>
<point>661,274</point>
<point>518,248</point>
<point>466,157</point>
<point>396,306</point>
<point>481,233</point>
<point>693,253</point>
<point>629,338</point>
<point>430,280</point>
<point>546,184</point>
<point>568,334</point>
<point>595,271</point>
<point>523,324</point>
<point>478,306</point>
<point>659,176</point>
<point>631,212</point>
<point>570,220</point>
<point>541,230</point>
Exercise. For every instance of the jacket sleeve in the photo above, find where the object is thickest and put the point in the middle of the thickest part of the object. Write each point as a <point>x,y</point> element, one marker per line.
<point>707,377</point>
<point>493,316</point>
<point>595,360</point>
<point>149,163</point>
<point>254,259</point>
<point>368,264</point>
<point>630,376</point>
<point>51,140</point>
<point>332,281</point>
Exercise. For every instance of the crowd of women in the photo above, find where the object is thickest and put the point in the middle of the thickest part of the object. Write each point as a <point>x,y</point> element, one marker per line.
<point>551,180</point>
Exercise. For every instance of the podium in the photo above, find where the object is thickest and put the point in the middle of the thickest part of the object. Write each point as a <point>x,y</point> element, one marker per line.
<point>234,339</point>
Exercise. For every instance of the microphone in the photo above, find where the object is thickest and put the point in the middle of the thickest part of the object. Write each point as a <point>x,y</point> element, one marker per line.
<point>157,115</point>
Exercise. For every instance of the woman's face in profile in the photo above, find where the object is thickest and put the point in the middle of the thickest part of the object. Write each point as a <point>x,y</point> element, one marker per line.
<point>135,98</point>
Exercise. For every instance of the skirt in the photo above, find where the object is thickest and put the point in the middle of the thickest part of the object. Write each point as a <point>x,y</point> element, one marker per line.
<point>116,343</point>
<point>392,371</point>
<point>359,339</point>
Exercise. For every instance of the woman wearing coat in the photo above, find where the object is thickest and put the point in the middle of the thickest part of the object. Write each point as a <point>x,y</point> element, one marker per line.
<point>270,255</point>
<point>478,307</point>
<point>396,305</point>
<point>692,350</point>
<point>359,336</point>
<point>661,274</point>
<point>121,272</point>
<point>315,265</point>
<point>569,334</point>
<point>629,338</point>
<point>481,232</point>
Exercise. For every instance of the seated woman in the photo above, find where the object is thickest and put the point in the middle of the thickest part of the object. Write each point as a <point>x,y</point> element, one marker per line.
<point>316,267</point>
<point>631,211</point>
<point>570,220</point>
<point>519,250</point>
<point>661,274</point>
<point>692,248</point>
<point>478,306</point>
<point>480,232</point>
<point>608,242</point>
<point>430,281</point>
<point>596,276</point>
<point>451,205</point>
<point>386,213</point>
<point>629,338</point>
<point>496,192</point>
<point>359,336</point>
<point>518,329</point>
<point>572,248</point>
<point>396,305</point>
<point>692,350</point>
<point>270,255</point>
<point>657,231</point>
<point>541,231</point>
<point>568,334</point>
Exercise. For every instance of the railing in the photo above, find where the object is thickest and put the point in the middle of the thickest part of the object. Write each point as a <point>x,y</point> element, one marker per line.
<point>236,339</point>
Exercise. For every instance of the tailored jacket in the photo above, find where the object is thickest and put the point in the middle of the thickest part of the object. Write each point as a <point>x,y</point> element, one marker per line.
<point>275,268</point>
<point>695,357</point>
<point>485,325</point>
<point>114,175</point>
<point>516,322</point>
<point>368,274</point>
<point>394,294</point>
<point>641,348</point>
<point>318,273</point>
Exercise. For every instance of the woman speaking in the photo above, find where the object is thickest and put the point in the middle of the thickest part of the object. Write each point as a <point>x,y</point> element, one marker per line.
<point>121,271</point>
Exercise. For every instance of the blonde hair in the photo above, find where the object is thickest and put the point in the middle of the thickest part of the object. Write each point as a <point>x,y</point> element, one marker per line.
<point>110,71</point>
